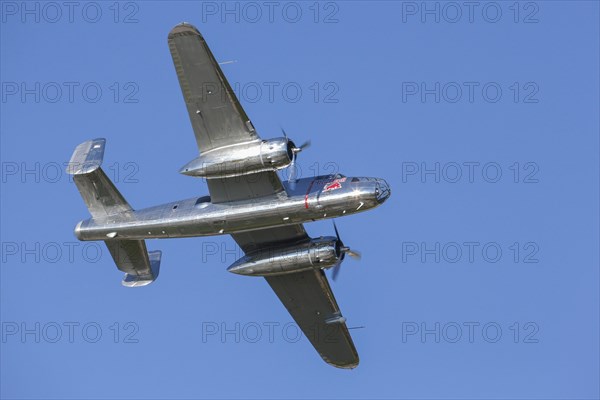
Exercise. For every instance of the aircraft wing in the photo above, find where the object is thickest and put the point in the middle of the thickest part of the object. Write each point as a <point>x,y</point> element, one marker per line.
<point>219,120</point>
<point>270,237</point>
<point>245,187</point>
<point>217,116</point>
<point>307,296</point>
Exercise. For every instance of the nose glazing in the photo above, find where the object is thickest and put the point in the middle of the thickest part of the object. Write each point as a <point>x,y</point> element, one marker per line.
<point>383,190</point>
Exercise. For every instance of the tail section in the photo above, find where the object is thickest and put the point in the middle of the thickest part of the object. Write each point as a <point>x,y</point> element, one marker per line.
<point>140,266</point>
<point>99,194</point>
<point>102,200</point>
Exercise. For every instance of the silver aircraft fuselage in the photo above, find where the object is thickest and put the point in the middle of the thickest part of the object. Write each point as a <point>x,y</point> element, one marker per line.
<point>312,199</point>
<point>247,200</point>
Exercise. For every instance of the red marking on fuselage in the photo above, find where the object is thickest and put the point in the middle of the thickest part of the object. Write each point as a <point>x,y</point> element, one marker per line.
<point>307,193</point>
<point>332,186</point>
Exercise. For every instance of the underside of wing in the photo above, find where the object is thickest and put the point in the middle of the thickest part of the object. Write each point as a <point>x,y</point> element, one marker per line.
<point>308,298</point>
<point>306,295</point>
<point>217,116</point>
<point>271,237</point>
<point>245,187</point>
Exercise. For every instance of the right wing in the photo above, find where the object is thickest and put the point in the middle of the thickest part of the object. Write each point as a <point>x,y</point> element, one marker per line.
<point>245,187</point>
<point>217,116</point>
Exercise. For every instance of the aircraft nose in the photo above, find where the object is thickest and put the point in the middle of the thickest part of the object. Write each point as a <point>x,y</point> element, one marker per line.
<point>383,190</point>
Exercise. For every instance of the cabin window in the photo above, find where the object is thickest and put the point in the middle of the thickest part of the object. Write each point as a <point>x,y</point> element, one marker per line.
<point>202,202</point>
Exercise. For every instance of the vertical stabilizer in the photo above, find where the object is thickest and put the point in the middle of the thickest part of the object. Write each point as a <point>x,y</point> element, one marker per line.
<point>102,200</point>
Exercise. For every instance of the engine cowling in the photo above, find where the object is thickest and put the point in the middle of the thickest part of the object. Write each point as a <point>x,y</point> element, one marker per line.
<point>316,254</point>
<point>241,159</point>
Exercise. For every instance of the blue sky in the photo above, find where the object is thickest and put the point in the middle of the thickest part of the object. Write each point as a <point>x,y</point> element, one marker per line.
<point>479,277</point>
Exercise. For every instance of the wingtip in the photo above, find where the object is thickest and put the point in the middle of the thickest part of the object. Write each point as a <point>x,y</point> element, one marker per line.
<point>344,365</point>
<point>183,29</point>
<point>350,362</point>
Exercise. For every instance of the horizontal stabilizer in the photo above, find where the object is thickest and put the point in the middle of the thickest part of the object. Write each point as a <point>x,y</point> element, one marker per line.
<point>141,268</point>
<point>102,200</point>
<point>98,192</point>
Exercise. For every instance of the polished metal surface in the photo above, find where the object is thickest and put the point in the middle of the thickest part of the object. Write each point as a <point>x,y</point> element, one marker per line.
<point>216,114</point>
<point>87,157</point>
<point>247,200</point>
<point>241,159</point>
<point>315,254</point>
<point>199,217</point>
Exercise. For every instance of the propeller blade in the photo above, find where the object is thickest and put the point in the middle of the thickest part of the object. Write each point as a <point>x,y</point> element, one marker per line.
<point>354,254</point>
<point>336,271</point>
<point>336,231</point>
<point>344,250</point>
<point>304,145</point>
<point>292,178</point>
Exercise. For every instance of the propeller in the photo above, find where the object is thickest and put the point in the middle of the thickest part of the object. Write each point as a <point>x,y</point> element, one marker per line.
<point>295,150</point>
<point>343,250</point>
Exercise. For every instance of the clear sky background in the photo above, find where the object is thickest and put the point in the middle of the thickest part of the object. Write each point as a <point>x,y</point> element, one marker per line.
<point>479,277</point>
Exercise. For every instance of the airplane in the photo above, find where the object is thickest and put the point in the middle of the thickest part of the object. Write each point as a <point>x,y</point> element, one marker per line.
<point>247,200</point>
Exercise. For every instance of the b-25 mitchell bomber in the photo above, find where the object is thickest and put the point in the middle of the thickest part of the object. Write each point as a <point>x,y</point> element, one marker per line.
<point>247,201</point>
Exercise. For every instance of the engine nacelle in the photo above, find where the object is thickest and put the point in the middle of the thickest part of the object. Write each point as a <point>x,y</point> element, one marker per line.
<point>316,254</point>
<point>241,159</point>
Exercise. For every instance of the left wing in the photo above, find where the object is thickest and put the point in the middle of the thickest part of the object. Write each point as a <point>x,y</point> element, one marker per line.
<point>271,237</point>
<point>307,296</point>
